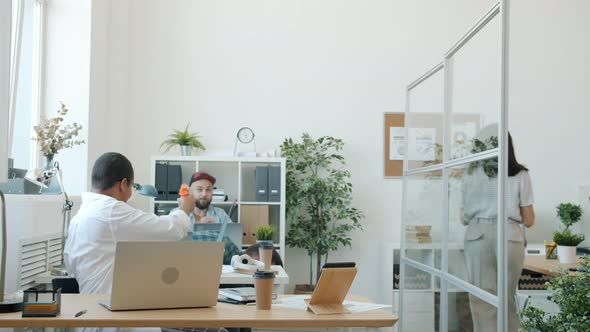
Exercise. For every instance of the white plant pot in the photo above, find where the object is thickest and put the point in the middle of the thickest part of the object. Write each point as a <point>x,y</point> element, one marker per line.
<point>186,150</point>
<point>566,254</point>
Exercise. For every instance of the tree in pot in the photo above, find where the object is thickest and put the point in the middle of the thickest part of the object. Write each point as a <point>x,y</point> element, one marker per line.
<point>318,198</point>
<point>570,293</point>
<point>185,139</point>
<point>569,214</point>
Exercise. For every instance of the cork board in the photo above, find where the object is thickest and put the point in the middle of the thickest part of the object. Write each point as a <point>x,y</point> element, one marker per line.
<point>392,168</point>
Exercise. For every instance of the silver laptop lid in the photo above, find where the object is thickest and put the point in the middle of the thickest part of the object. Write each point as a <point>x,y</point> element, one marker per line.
<point>158,275</point>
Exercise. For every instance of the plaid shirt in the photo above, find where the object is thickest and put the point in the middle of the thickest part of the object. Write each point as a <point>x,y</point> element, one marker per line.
<point>218,214</point>
<point>211,236</point>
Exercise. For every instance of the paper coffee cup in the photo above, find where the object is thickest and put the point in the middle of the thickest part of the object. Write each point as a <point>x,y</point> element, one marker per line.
<point>265,253</point>
<point>263,283</point>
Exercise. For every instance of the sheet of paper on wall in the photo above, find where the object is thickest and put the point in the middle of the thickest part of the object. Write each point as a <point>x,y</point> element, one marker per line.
<point>461,136</point>
<point>397,143</point>
<point>422,144</point>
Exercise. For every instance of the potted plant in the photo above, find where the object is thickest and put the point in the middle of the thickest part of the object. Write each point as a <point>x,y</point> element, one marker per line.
<point>318,199</point>
<point>569,214</point>
<point>570,293</point>
<point>264,233</point>
<point>185,139</point>
<point>52,137</point>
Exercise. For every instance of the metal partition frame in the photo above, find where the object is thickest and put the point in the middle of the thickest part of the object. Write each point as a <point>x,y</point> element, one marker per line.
<point>499,300</point>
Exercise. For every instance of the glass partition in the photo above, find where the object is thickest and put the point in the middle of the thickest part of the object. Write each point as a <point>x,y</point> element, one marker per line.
<point>451,240</point>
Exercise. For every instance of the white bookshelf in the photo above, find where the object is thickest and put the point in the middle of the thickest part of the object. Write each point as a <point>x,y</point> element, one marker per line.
<point>235,175</point>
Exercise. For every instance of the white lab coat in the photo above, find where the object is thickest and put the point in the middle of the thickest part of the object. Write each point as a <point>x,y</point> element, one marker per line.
<point>89,253</point>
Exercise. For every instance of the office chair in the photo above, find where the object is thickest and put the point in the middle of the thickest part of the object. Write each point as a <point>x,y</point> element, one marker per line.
<point>67,285</point>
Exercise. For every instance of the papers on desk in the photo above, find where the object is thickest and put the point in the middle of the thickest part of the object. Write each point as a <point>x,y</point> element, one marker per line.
<point>297,302</point>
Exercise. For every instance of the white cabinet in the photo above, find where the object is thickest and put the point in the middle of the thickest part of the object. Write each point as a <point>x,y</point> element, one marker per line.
<point>236,176</point>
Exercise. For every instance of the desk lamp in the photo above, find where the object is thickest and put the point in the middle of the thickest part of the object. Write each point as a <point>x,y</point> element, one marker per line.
<point>146,190</point>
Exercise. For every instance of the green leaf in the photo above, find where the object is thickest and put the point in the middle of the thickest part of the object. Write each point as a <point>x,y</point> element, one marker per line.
<point>319,195</point>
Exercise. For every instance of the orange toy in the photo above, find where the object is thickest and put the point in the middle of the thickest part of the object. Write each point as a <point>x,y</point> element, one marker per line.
<point>183,190</point>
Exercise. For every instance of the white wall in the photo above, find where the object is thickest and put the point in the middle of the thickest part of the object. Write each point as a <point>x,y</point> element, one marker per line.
<point>67,75</point>
<point>549,84</point>
<point>549,106</point>
<point>108,114</point>
<point>274,66</point>
<point>328,68</point>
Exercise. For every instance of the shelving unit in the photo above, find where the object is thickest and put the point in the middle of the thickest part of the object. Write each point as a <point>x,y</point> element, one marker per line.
<point>424,288</point>
<point>236,176</point>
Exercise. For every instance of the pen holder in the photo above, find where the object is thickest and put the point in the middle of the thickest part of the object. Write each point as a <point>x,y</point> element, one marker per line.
<point>41,303</point>
<point>551,252</point>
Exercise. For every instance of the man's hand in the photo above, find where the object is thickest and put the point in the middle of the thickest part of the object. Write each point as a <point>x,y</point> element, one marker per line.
<point>186,203</point>
<point>206,220</point>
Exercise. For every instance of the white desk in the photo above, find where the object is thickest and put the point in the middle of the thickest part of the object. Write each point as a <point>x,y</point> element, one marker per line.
<point>229,278</point>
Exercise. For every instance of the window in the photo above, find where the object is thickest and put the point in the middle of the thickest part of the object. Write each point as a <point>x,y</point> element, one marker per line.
<point>24,80</point>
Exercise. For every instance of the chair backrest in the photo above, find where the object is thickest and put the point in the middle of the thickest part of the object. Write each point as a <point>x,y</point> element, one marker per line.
<point>67,285</point>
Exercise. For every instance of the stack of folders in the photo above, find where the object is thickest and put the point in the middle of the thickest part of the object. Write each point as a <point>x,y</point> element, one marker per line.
<point>241,294</point>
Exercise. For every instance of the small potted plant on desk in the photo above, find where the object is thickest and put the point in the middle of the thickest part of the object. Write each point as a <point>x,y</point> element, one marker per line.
<point>264,233</point>
<point>186,140</point>
<point>566,240</point>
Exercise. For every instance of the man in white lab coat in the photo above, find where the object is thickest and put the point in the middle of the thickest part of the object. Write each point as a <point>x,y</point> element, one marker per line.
<point>105,218</point>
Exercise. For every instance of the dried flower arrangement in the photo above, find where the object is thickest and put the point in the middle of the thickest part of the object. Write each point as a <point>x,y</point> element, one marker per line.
<point>52,137</point>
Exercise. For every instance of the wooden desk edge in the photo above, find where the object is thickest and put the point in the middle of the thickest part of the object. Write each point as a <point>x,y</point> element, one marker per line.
<point>57,323</point>
<point>550,267</point>
<point>223,315</point>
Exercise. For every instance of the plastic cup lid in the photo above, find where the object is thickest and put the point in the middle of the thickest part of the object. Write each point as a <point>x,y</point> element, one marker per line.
<point>264,274</point>
<point>265,245</point>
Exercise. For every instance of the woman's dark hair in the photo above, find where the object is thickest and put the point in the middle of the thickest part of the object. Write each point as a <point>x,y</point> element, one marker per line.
<point>252,251</point>
<point>109,169</point>
<point>513,166</point>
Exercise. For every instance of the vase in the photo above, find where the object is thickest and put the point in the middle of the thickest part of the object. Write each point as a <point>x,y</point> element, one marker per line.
<point>185,150</point>
<point>49,161</point>
<point>567,254</point>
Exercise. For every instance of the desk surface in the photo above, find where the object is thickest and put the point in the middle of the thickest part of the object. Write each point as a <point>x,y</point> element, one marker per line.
<point>229,278</point>
<point>223,315</point>
<point>551,267</point>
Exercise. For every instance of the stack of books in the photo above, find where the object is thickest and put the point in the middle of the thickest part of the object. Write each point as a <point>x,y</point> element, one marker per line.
<point>241,294</point>
<point>418,234</point>
<point>219,195</point>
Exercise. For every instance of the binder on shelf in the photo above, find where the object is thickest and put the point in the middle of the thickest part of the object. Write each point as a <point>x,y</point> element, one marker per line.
<point>161,182</point>
<point>174,180</point>
<point>274,184</point>
<point>261,174</point>
<point>252,216</point>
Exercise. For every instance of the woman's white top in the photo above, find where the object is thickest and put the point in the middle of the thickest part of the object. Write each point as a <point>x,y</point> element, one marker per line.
<point>480,197</point>
<point>100,223</point>
<point>480,201</point>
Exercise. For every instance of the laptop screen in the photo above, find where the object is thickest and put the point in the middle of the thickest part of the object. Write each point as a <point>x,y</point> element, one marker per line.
<point>229,233</point>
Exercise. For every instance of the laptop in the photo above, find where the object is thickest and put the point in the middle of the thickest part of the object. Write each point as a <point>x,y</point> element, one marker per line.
<point>233,231</point>
<point>161,275</point>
